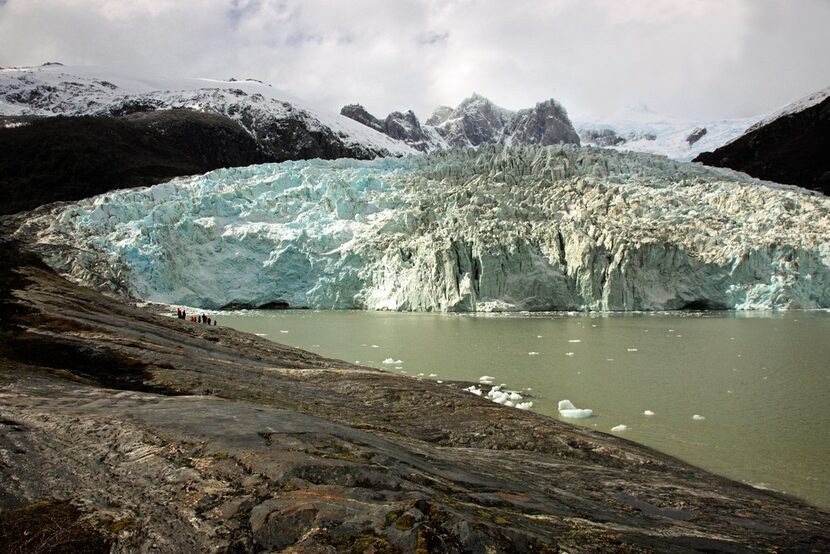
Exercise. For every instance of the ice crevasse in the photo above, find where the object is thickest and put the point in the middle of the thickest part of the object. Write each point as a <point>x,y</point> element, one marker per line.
<point>498,228</point>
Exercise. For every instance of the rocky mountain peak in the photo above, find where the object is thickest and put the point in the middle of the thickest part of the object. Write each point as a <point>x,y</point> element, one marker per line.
<point>403,126</point>
<point>361,115</point>
<point>440,115</point>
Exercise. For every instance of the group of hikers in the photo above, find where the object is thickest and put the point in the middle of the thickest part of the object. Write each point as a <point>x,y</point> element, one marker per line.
<point>201,318</point>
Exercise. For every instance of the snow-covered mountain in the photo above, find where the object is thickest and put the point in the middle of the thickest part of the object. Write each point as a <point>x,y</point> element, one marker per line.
<point>645,131</point>
<point>278,121</point>
<point>474,122</point>
<point>497,228</point>
<point>792,145</point>
<point>793,108</point>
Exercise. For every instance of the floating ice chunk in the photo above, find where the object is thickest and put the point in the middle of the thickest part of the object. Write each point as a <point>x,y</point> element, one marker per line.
<point>532,353</point>
<point>538,336</point>
<point>392,361</point>
<point>574,340</point>
<point>315,346</point>
<point>473,389</point>
<point>420,375</point>
<point>524,405</point>
<point>515,397</point>
<point>619,428</point>
<point>433,375</point>
<point>631,349</point>
<point>567,409</point>
<point>698,417</point>
<point>486,379</point>
<point>569,353</point>
<point>261,334</point>
<point>284,331</point>
<point>497,395</point>
<point>609,359</point>
<point>439,382</point>
<point>648,413</point>
<point>375,346</point>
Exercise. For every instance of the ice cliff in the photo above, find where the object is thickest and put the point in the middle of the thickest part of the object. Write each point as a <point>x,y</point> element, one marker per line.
<point>498,228</point>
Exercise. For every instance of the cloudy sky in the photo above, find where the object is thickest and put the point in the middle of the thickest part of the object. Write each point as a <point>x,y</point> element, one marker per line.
<point>696,58</point>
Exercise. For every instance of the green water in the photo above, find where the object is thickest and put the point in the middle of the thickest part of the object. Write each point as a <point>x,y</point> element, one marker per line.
<point>761,381</point>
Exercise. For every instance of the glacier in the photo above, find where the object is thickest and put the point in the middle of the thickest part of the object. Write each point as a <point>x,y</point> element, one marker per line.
<point>493,229</point>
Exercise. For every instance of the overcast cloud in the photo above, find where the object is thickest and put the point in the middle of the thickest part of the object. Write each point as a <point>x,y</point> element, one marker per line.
<point>700,58</point>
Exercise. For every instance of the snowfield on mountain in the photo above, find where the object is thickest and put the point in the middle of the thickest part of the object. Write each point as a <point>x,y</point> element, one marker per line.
<point>55,89</point>
<point>493,229</point>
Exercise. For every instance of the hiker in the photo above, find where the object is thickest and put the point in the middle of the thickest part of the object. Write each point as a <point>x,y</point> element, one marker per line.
<point>214,323</point>
<point>179,313</point>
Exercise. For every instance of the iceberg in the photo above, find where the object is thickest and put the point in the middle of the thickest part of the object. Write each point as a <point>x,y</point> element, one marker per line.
<point>567,409</point>
<point>492,229</point>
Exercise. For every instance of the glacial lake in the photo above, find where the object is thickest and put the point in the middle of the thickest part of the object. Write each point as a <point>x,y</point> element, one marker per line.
<point>760,380</point>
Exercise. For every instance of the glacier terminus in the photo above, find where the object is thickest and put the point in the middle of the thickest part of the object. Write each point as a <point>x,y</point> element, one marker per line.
<point>494,229</point>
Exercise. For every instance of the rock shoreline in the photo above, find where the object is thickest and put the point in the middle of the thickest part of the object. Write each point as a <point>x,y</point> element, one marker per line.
<point>173,437</point>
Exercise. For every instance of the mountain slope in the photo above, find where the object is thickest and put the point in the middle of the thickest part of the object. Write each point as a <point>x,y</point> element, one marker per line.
<point>791,146</point>
<point>61,158</point>
<point>521,228</point>
<point>275,119</point>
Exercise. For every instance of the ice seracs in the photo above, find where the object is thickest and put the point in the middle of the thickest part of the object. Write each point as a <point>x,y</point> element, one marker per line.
<point>497,229</point>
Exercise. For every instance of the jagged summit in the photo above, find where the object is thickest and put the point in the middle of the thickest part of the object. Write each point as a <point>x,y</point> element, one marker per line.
<point>400,126</point>
<point>474,122</point>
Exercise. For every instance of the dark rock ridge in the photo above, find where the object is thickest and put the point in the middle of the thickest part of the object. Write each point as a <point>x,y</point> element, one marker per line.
<point>696,134</point>
<point>399,126</point>
<point>793,149</point>
<point>69,158</point>
<point>474,122</point>
<point>176,437</point>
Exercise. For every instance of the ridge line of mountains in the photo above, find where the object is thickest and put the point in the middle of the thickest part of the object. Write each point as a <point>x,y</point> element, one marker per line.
<point>72,132</point>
